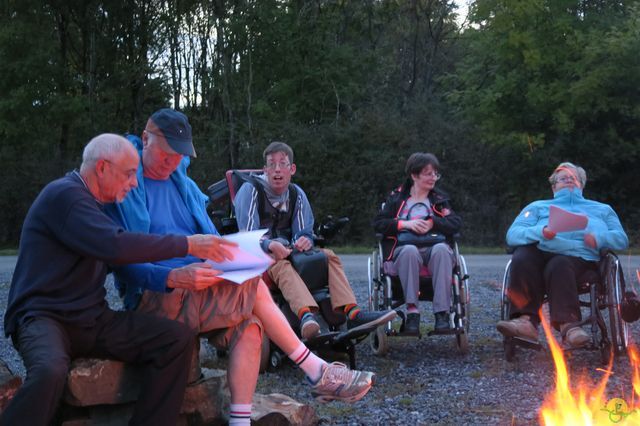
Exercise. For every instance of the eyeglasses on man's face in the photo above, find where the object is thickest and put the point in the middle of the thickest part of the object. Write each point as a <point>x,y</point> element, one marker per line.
<point>566,179</point>
<point>282,165</point>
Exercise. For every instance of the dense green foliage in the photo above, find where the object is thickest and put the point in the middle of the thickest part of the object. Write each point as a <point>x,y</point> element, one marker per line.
<point>353,86</point>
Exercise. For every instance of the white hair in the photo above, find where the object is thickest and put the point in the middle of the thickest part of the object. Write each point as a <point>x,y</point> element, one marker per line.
<point>103,147</point>
<point>577,172</point>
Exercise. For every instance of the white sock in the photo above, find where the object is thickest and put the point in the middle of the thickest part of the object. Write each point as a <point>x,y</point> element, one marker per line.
<point>240,414</point>
<point>309,362</point>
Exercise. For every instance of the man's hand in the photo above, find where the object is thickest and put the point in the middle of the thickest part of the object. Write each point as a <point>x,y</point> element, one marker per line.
<point>419,226</point>
<point>196,276</point>
<point>210,247</point>
<point>303,244</point>
<point>278,250</point>
<point>548,233</point>
<point>590,241</point>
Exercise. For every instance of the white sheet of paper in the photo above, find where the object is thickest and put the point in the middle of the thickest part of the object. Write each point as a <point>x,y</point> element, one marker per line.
<point>248,258</point>
<point>561,220</point>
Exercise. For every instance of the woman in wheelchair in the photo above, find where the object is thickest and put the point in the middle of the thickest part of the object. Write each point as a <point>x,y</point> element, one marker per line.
<point>416,220</point>
<point>550,263</point>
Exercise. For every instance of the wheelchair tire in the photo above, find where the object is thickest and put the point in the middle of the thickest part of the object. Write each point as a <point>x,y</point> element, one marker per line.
<point>462,343</point>
<point>265,354</point>
<point>379,342</point>
<point>275,360</point>
<point>606,353</point>
<point>615,291</point>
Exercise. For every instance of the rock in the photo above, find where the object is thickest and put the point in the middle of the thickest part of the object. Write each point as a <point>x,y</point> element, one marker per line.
<point>276,409</point>
<point>9,384</point>
<point>99,381</point>
<point>205,399</point>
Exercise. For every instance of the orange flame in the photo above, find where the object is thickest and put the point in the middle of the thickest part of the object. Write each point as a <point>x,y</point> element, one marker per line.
<point>587,404</point>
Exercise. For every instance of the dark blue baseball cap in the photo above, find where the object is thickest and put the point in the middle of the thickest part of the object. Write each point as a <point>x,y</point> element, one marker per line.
<point>176,129</point>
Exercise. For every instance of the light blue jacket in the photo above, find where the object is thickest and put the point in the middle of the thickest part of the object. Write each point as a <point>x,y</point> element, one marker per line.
<point>603,224</point>
<point>133,215</point>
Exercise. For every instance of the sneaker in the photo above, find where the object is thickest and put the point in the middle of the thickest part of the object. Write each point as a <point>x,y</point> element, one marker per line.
<point>364,320</point>
<point>520,327</point>
<point>575,337</point>
<point>412,325</point>
<point>338,382</point>
<point>442,321</point>
<point>309,326</point>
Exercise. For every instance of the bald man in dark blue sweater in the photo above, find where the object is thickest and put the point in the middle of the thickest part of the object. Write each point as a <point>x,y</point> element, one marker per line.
<point>56,309</point>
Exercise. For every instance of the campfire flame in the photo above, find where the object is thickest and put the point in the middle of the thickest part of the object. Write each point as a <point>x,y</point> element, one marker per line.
<point>585,403</point>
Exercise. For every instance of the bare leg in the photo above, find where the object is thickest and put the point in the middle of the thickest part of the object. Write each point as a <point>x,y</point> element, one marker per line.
<point>275,324</point>
<point>244,366</point>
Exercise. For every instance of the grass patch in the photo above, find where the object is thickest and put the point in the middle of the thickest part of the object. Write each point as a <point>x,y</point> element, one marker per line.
<point>8,252</point>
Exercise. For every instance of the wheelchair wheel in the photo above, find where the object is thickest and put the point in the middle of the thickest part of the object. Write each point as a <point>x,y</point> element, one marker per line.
<point>373,272</point>
<point>505,313</point>
<point>379,341</point>
<point>505,305</point>
<point>462,343</point>
<point>614,282</point>
<point>265,352</point>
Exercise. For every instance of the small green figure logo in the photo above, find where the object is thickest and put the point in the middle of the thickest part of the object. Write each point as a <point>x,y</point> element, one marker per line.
<point>618,410</point>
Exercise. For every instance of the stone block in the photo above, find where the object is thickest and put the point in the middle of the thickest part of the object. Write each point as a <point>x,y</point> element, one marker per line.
<point>276,409</point>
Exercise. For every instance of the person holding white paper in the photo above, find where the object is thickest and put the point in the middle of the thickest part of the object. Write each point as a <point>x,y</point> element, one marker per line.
<point>550,262</point>
<point>189,290</point>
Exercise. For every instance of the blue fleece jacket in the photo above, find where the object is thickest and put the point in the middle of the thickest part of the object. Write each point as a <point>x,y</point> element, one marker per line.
<point>132,214</point>
<point>603,224</point>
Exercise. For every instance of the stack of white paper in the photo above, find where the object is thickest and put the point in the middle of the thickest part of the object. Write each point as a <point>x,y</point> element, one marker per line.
<point>248,258</point>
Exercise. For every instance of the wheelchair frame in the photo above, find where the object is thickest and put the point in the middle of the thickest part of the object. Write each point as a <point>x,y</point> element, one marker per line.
<point>609,335</point>
<point>381,298</point>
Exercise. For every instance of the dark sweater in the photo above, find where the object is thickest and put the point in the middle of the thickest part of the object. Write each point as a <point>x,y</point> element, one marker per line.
<point>65,246</point>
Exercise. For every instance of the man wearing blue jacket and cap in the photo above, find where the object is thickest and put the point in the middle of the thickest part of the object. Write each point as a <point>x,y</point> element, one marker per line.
<point>188,290</point>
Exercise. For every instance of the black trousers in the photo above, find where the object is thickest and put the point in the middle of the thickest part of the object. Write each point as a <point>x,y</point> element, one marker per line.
<point>47,346</point>
<point>535,273</point>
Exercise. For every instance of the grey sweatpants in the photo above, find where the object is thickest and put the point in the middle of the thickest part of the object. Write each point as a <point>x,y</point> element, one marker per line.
<point>439,259</point>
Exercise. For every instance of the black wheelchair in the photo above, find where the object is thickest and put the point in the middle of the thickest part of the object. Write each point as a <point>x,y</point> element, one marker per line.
<point>601,294</point>
<point>334,336</point>
<point>385,292</point>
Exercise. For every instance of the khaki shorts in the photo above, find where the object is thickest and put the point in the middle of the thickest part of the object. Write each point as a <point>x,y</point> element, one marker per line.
<point>220,313</point>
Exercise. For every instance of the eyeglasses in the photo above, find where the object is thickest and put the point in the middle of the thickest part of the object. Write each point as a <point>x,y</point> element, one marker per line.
<point>129,174</point>
<point>282,165</point>
<point>566,179</point>
<point>434,175</point>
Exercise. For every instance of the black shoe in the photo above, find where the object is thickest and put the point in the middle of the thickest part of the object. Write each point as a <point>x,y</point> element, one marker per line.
<point>442,321</point>
<point>365,320</point>
<point>412,324</point>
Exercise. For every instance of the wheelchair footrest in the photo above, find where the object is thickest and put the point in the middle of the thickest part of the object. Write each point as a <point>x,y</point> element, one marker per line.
<point>526,343</point>
<point>321,339</point>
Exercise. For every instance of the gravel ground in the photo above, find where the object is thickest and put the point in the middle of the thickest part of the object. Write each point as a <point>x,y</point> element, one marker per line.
<point>426,381</point>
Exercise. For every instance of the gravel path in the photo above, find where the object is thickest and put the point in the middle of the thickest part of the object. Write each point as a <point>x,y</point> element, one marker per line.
<point>426,381</point>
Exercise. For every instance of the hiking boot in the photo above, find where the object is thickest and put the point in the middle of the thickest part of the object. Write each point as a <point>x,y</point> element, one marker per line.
<point>412,324</point>
<point>364,320</point>
<point>520,327</point>
<point>338,382</point>
<point>575,337</point>
<point>309,326</point>
<point>442,321</point>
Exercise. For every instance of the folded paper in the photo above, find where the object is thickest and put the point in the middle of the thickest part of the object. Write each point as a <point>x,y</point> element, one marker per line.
<point>561,220</point>
<point>248,258</point>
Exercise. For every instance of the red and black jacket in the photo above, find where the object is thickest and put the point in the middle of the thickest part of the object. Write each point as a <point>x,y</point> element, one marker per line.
<point>386,221</point>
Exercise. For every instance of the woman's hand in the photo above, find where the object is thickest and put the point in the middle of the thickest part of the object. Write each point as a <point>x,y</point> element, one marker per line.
<point>548,234</point>
<point>419,226</point>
